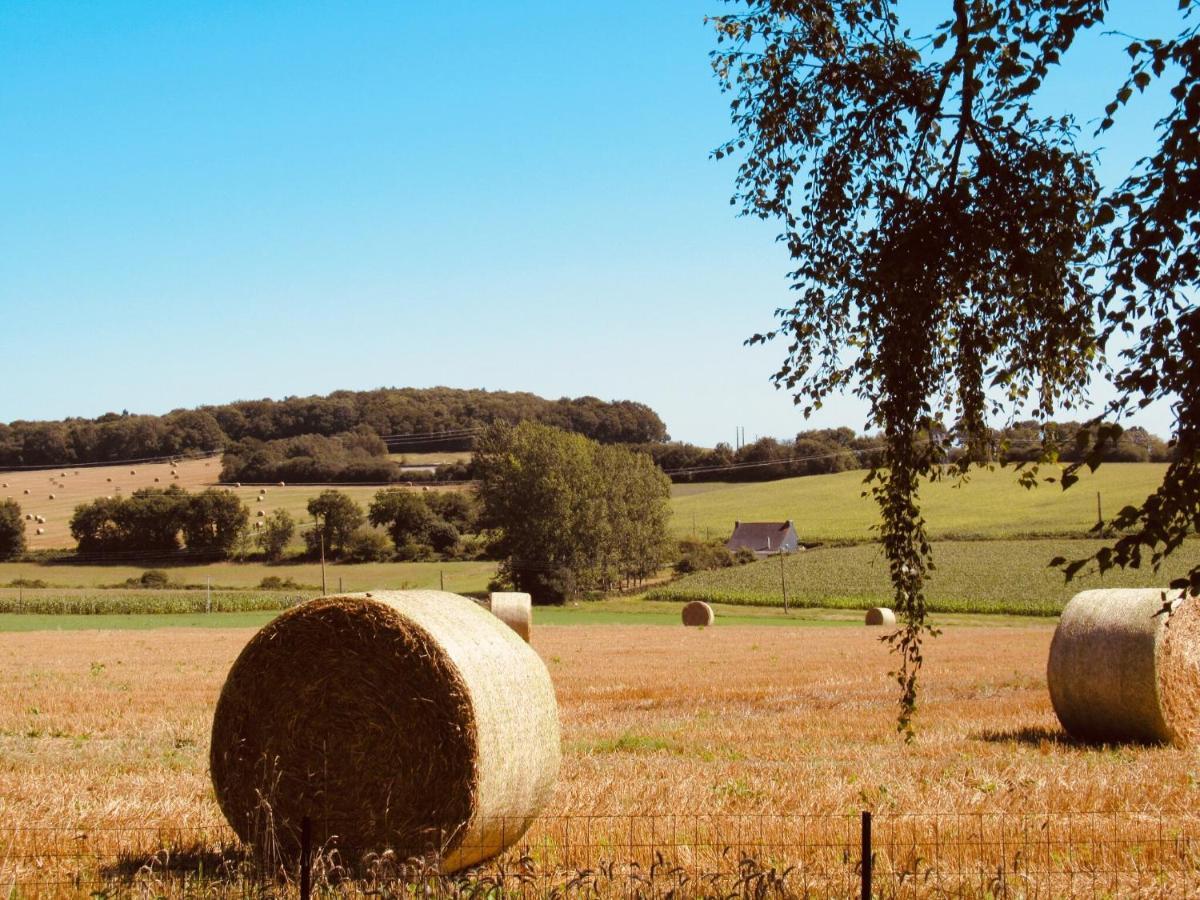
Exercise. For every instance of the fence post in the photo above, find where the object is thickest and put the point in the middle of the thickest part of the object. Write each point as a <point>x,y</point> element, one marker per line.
<point>866,855</point>
<point>306,859</point>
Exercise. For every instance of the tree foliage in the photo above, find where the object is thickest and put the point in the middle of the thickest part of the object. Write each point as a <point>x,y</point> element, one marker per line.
<point>153,520</point>
<point>277,531</point>
<point>337,518</point>
<point>12,529</point>
<point>433,419</point>
<point>569,514</point>
<point>944,235</point>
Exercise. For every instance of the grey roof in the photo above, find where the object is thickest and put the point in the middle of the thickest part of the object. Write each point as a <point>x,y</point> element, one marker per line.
<point>761,536</point>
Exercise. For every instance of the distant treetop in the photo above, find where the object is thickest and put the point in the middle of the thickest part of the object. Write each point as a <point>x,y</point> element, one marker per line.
<point>407,419</point>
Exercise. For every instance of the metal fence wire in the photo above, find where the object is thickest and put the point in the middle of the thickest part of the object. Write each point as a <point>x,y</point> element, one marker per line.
<point>1001,855</point>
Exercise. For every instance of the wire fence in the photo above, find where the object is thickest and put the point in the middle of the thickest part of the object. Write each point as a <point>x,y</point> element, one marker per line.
<point>885,855</point>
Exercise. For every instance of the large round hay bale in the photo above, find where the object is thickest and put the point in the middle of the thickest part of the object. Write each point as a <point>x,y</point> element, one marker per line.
<point>880,615</point>
<point>1125,666</point>
<point>698,613</point>
<point>515,610</point>
<point>413,721</point>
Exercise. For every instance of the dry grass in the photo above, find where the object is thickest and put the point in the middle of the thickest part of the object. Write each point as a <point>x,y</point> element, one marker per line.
<point>101,728</point>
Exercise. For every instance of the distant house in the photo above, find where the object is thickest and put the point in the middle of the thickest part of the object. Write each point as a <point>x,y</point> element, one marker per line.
<point>764,538</point>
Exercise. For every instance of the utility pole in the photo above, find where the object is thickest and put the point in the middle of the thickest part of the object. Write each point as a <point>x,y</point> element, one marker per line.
<point>321,534</point>
<point>1099,514</point>
<point>208,596</point>
<point>783,581</point>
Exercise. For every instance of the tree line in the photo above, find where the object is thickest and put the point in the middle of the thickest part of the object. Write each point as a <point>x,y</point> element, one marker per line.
<point>826,450</point>
<point>432,419</point>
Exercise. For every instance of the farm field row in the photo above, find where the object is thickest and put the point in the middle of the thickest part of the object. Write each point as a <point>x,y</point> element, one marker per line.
<point>998,576</point>
<point>457,576</point>
<point>990,505</point>
<point>824,507</point>
<point>99,731</point>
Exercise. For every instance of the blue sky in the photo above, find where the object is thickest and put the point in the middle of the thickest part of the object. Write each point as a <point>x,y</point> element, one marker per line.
<point>202,202</point>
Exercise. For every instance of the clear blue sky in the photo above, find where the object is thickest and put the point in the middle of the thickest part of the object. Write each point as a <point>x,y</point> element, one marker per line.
<point>202,202</point>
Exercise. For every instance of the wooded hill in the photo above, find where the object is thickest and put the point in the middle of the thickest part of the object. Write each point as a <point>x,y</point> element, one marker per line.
<point>408,419</point>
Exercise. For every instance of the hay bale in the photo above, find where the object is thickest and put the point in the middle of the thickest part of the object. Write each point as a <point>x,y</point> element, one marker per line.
<point>407,720</point>
<point>880,615</point>
<point>27,490</point>
<point>41,531</point>
<point>237,484</point>
<point>515,610</point>
<point>132,472</point>
<point>282,484</point>
<point>261,513</point>
<point>1125,666</point>
<point>51,496</point>
<point>698,613</point>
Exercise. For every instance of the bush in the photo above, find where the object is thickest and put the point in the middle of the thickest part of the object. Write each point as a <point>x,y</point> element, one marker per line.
<point>367,545</point>
<point>744,556</point>
<point>414,551</point>
<point>275,583</point>
<point>27,583</point>
<point>700,556</point>
<point>443,537</point>
<point>151,578</point>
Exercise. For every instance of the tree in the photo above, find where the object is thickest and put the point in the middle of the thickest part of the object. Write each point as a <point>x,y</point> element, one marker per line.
<point>404,514</point>
<point>12,530</point>
<point>570,514</point>
<point>277,531</point>
<point>213,520</point>
<point>944,238</point>
<point>338,517</point>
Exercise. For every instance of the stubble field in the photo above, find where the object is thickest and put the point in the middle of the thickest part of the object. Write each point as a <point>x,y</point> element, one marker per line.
<point>789,731</point>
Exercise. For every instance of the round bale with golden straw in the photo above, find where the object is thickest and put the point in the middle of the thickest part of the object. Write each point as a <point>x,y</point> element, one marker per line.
<point>880,615</point>
<point>515,610</point>
<point>1125,666</point>
<point>411,721</point>
<point>698,614</point>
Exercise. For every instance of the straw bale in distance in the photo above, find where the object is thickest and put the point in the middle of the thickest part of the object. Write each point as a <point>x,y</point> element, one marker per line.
<point>880,615</point>
<point>698,613</point>
<point>515,610</point>
<point>1125,666</point>
<point>407,720</point>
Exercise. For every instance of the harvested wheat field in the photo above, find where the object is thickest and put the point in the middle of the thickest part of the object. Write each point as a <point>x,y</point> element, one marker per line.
<point>697,744</point>
<point>71,487</point>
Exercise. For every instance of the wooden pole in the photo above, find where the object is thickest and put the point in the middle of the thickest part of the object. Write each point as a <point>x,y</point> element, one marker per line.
<point>783,581</point>
<point>866,855</point>
<point>322,535</point>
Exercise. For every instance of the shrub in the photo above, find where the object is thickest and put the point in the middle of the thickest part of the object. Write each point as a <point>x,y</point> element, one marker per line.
<point>443,537</point>
<point>367,545</point>
<point>151,578</point>
<point>699,556</point>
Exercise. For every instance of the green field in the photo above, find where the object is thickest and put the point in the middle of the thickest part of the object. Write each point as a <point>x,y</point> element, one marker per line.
<point>999,576</point>
<point>990,505</point>
<point>463,577</point>
<point>622,611</point>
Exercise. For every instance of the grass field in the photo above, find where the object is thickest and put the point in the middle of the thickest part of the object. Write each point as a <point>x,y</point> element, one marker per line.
<point>990,505</point>
<point>71,487</point>
<point>104,730</point>
<point>998,576</point>
<point>433,458</point>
